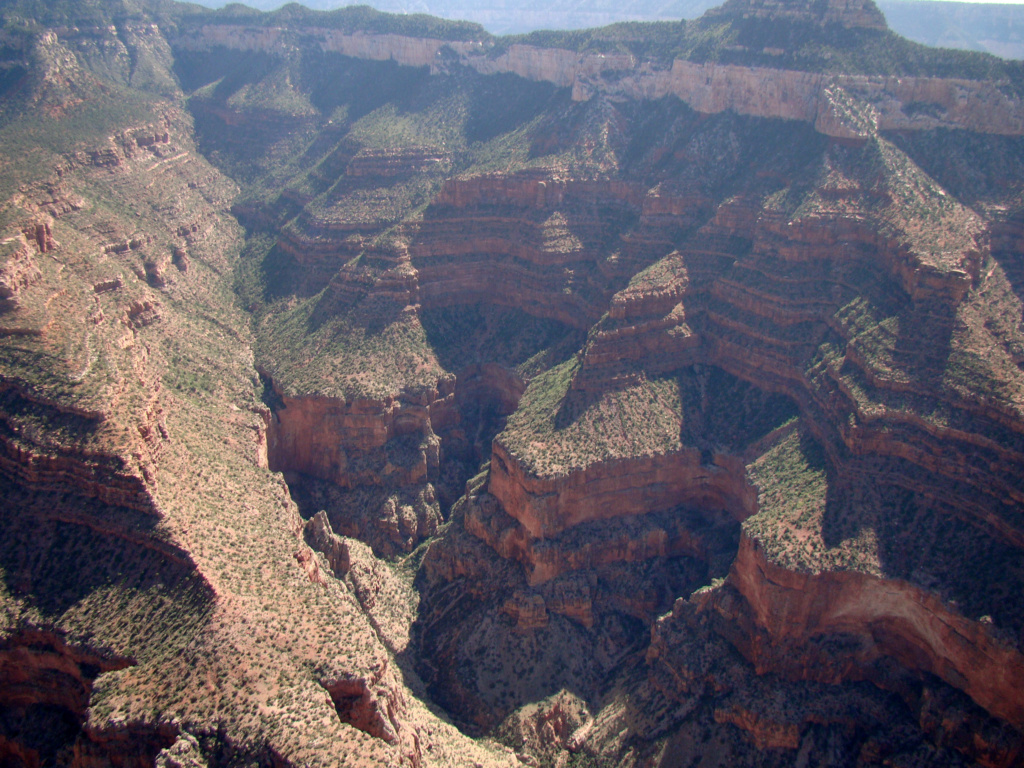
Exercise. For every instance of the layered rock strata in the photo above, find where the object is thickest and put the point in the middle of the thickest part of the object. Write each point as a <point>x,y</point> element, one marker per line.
<point>534,237</point>
<point>548,506</point>
<point>842,106</point>
<point>340,441</point>
<point>48,681</point>
<point>877,619</point>
<point>142,528</point>
<point>760,297</point>
<point>819,344</point>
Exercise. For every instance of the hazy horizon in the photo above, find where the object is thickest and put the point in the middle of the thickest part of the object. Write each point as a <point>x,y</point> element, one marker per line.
<point>978,25</point>
<point>413,9</point>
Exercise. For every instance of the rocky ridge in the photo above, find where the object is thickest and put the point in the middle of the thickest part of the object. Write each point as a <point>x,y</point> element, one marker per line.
<point>140,519</point>
<point>838,105</point>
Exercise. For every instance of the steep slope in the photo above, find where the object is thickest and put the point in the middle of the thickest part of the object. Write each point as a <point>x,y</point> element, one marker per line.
<point>159,599</point>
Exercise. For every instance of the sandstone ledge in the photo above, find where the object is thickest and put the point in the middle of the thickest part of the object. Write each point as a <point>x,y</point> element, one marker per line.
<point>546,506</point>
<point>888,617</point>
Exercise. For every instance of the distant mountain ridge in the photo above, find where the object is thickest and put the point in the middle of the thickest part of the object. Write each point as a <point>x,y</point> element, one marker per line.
<point>994,28</point>
<point>990,27</point>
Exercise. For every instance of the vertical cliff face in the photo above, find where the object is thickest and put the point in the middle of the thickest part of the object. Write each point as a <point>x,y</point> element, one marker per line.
<point>535,241</point>
<point>547,506</point>
<point>388,448</point>
<point>885,619</point>
<point>840,104</point>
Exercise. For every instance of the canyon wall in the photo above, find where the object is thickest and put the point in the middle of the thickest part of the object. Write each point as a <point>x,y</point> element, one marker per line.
<point>547,506</point>
<point>756,294</point>
<point>327,438</point>
<point>843,106</point>
<point>888,617</point>
<point>807,337</point>
<point>150,564</point>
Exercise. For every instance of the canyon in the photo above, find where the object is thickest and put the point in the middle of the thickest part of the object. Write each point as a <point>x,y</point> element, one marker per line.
<point>843,106</point>
<point>375,391</point>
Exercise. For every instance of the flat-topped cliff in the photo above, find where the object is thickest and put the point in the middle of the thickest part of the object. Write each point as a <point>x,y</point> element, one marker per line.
<point>836,103</point>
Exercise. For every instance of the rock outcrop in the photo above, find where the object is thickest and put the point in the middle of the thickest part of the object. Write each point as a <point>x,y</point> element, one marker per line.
<point>847,13</point>
<point>877,619</point>
<point>547,506</point>
<point>338,441</point>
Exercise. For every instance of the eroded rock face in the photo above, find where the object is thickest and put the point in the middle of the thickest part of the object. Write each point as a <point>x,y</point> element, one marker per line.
<point>723,304</point>
<point>552,728</point>
<point>46,691</point>
<point>878,618</point>
<point>546,507</point>
<point>385,454</point>
<point>359,704</point>
<point>599,333</point>
<point>842,106</point>
<point>338,441</point>
<point>532,240</point>
<point>621,539</point>
<point>773,709</point>
<point>318,534</point>
<point>19,270</point>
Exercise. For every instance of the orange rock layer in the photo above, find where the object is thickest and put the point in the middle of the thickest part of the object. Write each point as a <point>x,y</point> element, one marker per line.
<point>890,618</point>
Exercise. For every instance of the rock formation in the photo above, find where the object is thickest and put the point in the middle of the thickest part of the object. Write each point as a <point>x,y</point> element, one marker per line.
<point>839,105</point>
<point>638,398</point>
